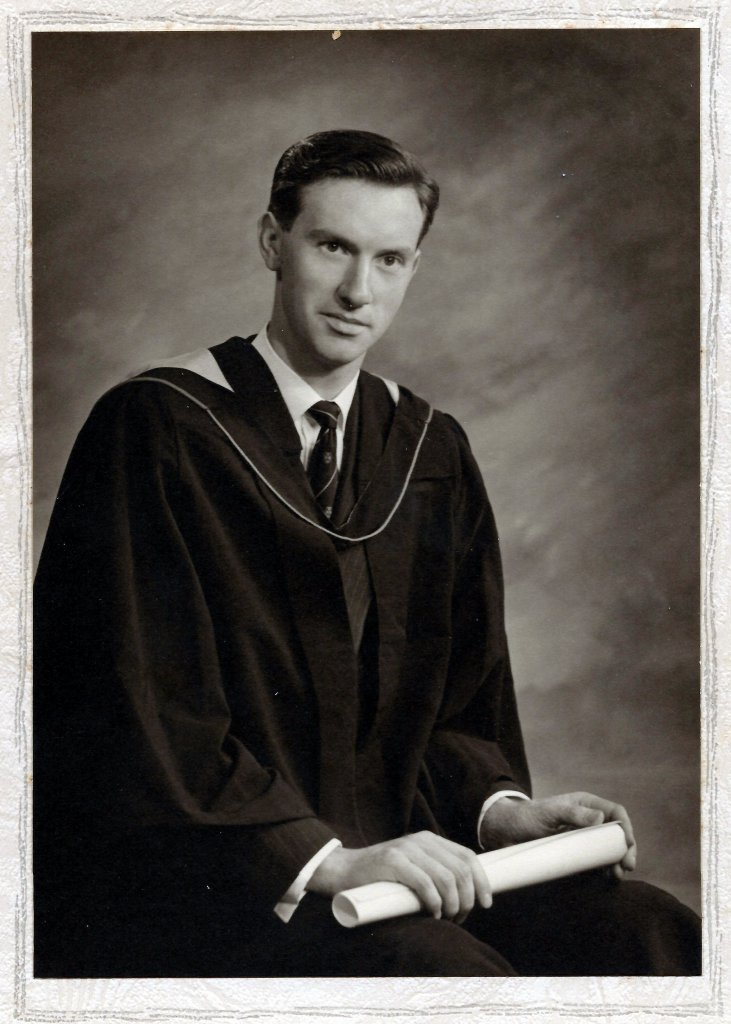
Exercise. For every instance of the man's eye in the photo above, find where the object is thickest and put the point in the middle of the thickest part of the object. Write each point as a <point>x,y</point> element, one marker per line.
<point>332,246</point>
<point>390,260</point>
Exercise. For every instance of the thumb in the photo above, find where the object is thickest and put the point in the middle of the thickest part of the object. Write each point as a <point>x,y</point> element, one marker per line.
<point>582,817</point>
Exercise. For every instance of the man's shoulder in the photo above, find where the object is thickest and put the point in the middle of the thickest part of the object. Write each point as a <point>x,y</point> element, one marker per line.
<point>151,405</point>
<point>199,361</point>
<point>173,382</point>
<point>445,446</point>
<point>391,387</point>
<point>412,404</point>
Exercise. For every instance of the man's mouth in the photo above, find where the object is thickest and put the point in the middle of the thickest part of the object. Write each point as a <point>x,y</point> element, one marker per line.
<point>345,324</point>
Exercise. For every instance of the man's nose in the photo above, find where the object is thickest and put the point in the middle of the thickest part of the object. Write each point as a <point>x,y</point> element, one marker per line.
<point>355,288</point>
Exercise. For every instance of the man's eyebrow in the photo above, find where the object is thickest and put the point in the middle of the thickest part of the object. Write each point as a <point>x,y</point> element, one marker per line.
<point>397,250</point>
<point>324,235</point>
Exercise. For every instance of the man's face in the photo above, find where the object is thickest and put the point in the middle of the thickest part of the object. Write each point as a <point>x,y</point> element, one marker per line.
<point>344,267</point>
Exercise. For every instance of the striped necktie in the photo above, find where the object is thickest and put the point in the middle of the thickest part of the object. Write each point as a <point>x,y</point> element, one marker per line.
<point>322,468</point>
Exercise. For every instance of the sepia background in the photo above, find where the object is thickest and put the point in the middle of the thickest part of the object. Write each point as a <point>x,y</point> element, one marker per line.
<point>555,314</point>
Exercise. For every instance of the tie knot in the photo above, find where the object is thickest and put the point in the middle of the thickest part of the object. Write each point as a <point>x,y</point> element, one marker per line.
<point>325,413</point>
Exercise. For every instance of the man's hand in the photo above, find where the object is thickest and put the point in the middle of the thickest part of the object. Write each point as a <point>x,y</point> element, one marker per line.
<point>446,877</point>
<point>511,821</point>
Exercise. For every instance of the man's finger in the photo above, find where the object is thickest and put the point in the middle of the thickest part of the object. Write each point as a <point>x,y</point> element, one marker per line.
<point>482,886</point>
<point>447,886</point>
<point>472,882</point>
<point>614,812</point>
<point>453,878</point>
<point>437,862</point>
<point>629,861</point>
<point>404,870</point>
<point>577,815</point>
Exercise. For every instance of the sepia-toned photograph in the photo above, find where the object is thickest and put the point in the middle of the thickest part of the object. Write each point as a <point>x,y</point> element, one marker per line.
<point>366,529</point>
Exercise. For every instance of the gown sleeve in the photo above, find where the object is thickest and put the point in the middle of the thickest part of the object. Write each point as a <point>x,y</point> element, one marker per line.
<point>476,747</point>
<point>135,754</point>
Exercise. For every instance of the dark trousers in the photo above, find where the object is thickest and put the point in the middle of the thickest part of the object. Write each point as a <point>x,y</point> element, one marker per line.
<point>589,925</point>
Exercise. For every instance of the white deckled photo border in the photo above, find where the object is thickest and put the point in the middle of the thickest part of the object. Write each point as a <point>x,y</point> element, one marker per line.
<point>454,1000</point>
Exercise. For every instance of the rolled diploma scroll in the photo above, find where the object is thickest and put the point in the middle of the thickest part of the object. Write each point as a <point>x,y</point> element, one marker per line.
<point>541,860</point>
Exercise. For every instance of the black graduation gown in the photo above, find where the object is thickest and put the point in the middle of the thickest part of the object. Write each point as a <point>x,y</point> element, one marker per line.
<point>196,687</point>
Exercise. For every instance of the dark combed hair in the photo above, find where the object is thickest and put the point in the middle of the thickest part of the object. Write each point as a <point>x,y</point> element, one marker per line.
<point>347,154</point>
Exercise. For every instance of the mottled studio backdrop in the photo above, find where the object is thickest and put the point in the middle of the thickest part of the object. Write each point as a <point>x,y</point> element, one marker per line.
<point>555,313</point>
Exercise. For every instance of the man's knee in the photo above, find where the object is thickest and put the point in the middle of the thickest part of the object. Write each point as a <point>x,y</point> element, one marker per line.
<point>591,924</point>
<point>631,928</point>
<point>663,934</point>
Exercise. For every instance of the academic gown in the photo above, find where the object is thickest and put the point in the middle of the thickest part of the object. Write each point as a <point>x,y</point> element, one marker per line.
<point>198,726</point>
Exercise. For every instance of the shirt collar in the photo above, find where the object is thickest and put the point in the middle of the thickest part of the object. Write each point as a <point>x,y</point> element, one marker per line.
<point>298,395</point>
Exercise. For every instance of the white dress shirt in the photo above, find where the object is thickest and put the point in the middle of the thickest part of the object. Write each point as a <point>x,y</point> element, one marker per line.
<point>299,396</point>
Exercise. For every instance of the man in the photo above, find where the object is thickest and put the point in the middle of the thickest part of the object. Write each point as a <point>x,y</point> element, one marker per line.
<point>270,655</point>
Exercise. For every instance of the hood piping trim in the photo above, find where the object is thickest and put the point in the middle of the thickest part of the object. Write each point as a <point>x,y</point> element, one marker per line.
<point>262,476</point>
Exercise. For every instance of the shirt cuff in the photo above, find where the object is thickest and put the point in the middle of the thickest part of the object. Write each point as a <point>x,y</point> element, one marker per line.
<point>493,800</point>
<point>293,896</point>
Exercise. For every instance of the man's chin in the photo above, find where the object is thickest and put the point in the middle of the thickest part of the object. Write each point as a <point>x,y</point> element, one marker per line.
<point>339,352</point>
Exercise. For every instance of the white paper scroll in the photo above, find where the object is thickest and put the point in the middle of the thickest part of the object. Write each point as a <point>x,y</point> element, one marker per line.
<point>541,860</point>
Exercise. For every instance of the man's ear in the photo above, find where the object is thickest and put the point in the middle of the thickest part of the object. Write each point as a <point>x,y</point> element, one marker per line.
<point>270,240</point>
